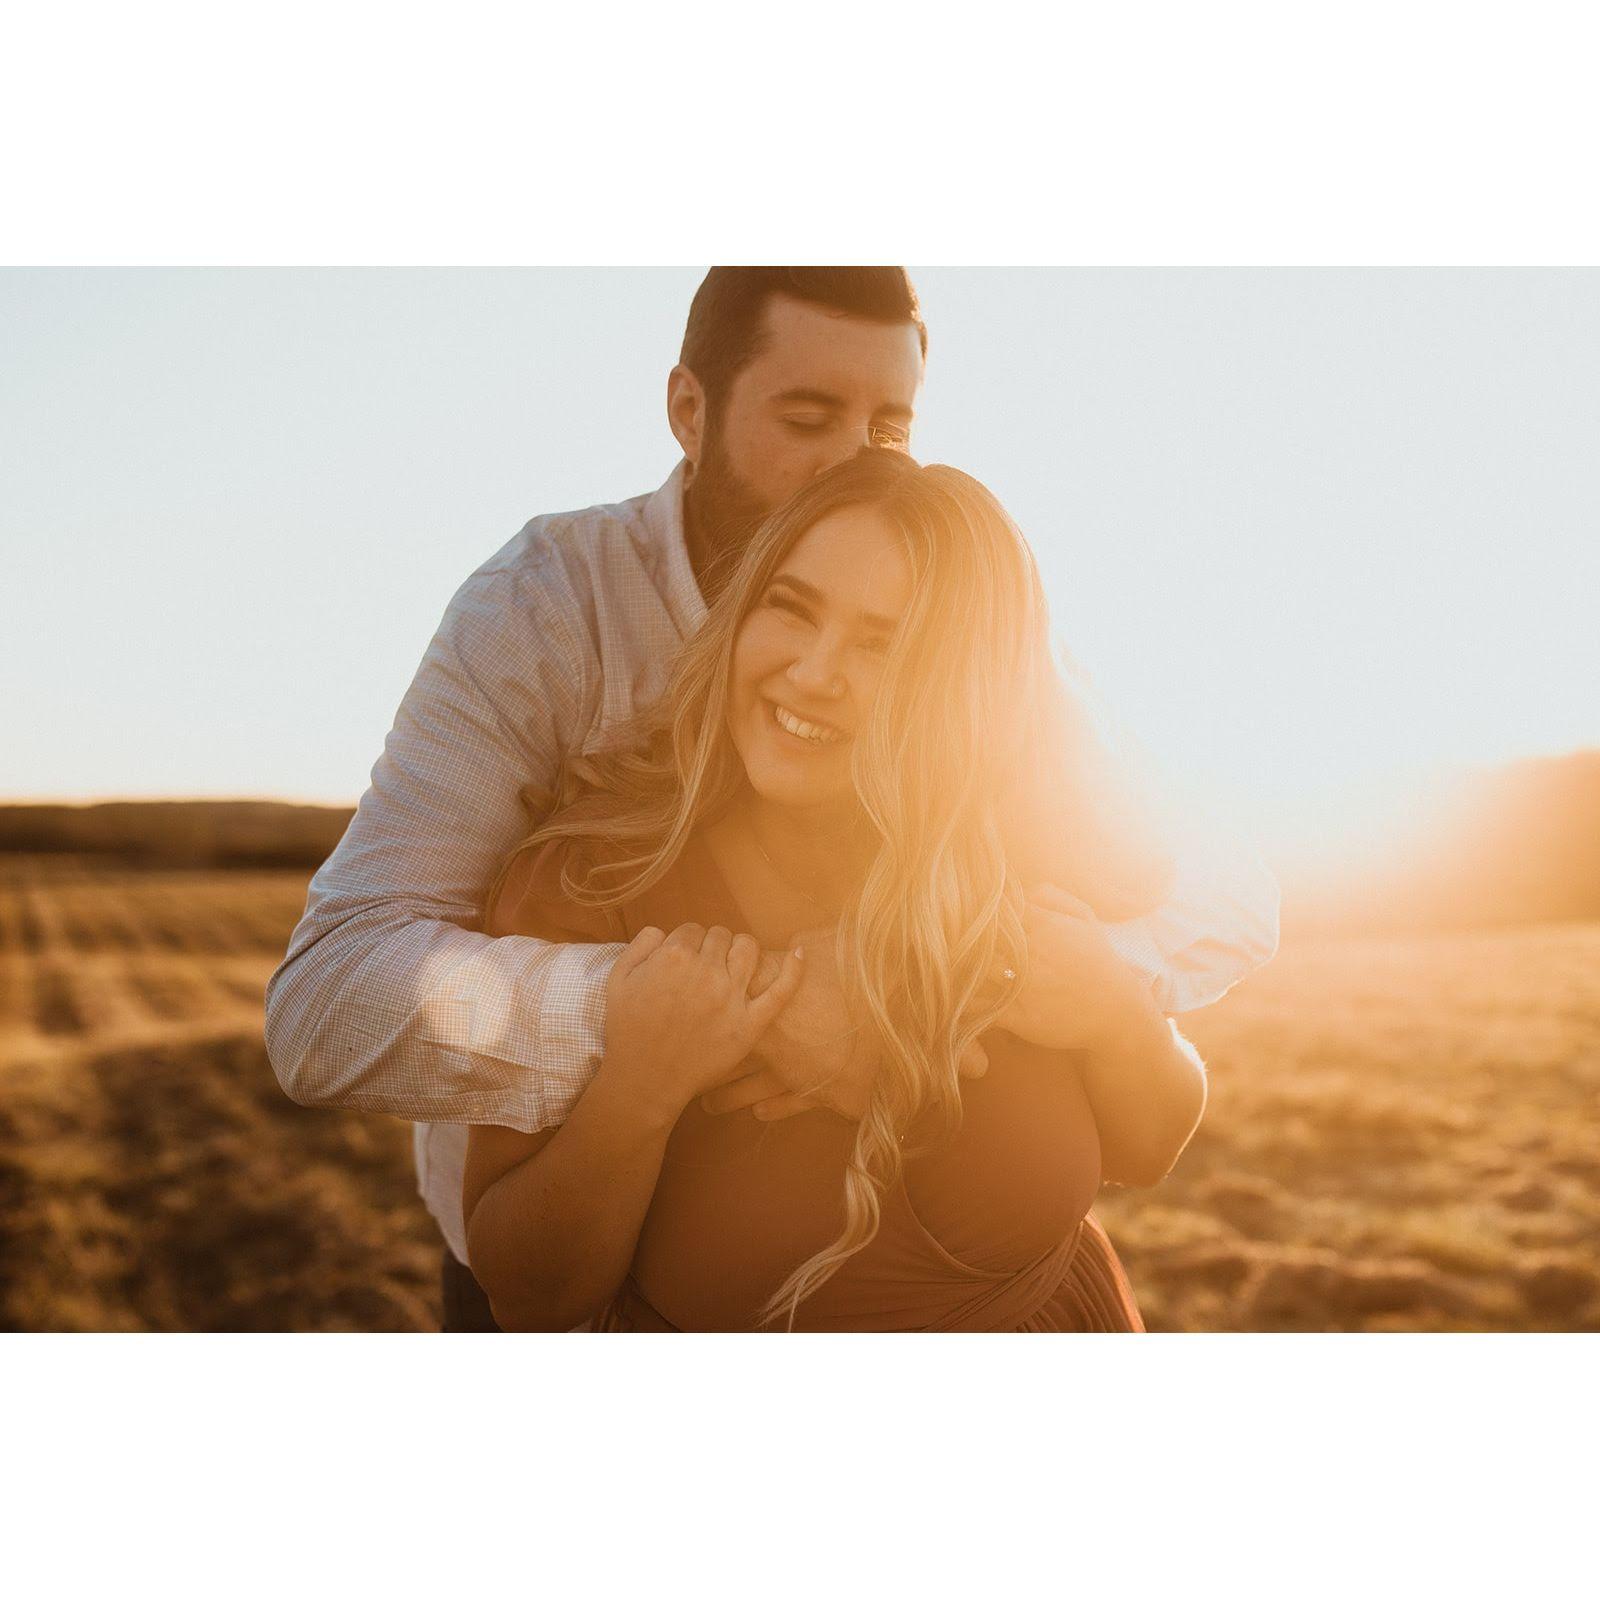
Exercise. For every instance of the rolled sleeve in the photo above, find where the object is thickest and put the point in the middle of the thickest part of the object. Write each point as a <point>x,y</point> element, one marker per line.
<point>1218,924</point>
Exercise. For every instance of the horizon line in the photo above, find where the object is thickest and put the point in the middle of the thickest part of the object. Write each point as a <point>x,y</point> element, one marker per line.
<point>201,797</point>
<point>1454,768</point>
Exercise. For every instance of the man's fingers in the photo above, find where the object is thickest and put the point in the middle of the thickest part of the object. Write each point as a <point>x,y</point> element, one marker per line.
<point>974,1061</point>
<point>718,941</point>
<point>779,992</point>
<point>742,1092</point>
<point>643,945</point>
<point>688,934</point>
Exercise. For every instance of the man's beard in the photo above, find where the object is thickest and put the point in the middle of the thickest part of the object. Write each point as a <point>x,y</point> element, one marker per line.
<point>721,513</point>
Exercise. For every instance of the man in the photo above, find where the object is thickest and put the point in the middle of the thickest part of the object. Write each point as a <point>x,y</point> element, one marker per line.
<point>388,999</point>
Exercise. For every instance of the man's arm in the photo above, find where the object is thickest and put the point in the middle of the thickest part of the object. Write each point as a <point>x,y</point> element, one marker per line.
<point>1218,923</point>
<point>389,999</point>
<point>1183,900</point>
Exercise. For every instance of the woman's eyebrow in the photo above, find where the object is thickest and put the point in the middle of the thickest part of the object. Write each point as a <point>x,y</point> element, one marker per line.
<point>809,591</point>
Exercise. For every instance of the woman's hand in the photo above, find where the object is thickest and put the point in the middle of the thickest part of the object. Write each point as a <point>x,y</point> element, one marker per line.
<point>680,1018</point>
<point>816,1056</point>
<point>1079,994</point>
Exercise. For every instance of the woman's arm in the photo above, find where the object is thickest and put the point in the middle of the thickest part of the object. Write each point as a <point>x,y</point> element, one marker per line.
<point>553,1217</point>
<point>1147,1089</point>
<point>1145,1082</point>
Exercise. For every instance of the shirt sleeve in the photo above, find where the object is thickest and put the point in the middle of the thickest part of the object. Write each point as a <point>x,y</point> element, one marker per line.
<point>1216,919</point>
<point>1218,923</point>
<point>389,998</point>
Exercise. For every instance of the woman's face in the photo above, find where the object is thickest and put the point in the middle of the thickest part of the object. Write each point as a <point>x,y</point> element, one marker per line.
<point>807,658</point>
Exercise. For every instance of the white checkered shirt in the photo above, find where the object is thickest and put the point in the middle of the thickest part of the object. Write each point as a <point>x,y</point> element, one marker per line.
<point>388,1000</point>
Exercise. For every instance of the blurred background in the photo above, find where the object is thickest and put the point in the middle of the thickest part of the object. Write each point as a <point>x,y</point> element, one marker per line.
<point>1326,540</point>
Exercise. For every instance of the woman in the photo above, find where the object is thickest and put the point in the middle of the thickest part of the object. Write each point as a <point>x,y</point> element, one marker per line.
<point>853,736</point>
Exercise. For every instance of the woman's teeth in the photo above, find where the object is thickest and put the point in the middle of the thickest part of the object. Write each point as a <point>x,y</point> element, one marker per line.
<point>804,730</point>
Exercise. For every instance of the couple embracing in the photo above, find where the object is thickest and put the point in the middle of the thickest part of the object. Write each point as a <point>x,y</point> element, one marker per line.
<point>746,907</point>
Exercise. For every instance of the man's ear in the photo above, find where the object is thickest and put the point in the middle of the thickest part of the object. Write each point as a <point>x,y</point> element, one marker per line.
<point>686,412</point>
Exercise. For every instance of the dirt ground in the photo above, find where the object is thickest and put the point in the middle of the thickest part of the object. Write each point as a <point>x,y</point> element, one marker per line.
<point>1401,1133</point>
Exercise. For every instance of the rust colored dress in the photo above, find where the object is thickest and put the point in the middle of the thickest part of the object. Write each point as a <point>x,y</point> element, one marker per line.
<point>991,1233</point>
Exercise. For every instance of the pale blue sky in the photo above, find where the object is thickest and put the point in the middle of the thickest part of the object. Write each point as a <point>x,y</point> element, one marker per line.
<point>1311,529</point>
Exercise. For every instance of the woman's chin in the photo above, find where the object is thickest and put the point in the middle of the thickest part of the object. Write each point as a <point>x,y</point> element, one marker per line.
<point>803,801</point>
<point>805,782</point>
<point>810,802</point>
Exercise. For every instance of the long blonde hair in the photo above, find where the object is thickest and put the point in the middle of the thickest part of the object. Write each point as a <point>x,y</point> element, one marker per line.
<point>952,730</point>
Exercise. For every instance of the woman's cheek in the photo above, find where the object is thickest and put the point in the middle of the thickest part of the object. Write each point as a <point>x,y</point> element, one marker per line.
<point>760,652</point>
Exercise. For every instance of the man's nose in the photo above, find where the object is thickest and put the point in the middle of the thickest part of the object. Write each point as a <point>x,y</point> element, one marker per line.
<point>846,442</point>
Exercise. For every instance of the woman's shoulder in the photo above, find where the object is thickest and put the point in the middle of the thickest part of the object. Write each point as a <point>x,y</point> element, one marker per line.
<point>533,898</point>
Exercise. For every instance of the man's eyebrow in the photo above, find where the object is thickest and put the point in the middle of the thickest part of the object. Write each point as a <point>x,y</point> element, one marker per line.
<point>895,409</point>
<point>810,397</point>
<point>809,591</point>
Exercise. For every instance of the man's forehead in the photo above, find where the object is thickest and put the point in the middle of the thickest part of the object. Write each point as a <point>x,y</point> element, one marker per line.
<point>807,347</point>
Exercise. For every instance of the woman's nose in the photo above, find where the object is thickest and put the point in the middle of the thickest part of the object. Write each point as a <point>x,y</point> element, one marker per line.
<point>818,670</point>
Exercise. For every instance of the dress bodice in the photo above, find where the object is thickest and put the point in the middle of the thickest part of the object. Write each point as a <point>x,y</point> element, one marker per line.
<point>979,1232</point>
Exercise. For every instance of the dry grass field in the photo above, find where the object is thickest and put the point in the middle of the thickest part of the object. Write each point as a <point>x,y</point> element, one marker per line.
<point>152,1174</point>
<point>1401,1135</point>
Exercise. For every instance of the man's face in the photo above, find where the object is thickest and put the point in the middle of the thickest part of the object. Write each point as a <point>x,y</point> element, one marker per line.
<point>824,386</point>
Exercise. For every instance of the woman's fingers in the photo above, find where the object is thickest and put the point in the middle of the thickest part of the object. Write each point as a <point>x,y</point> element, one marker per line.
<point>777,994</point>
<point>781,1106</point>
<point>690,935</point>
<point>641,947</point>
<point>744,956</point>
<point>974,1061</point>
<point>742,1092</point>
<point>716,944</point>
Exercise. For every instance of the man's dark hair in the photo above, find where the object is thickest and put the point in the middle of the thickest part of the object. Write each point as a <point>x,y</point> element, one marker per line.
<point>725,317</point>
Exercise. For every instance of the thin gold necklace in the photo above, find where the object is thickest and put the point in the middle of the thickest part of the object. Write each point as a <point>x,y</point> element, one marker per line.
<point>784,878</point>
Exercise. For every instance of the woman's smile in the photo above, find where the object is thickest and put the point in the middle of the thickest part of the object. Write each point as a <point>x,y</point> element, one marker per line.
<point>803,731</point>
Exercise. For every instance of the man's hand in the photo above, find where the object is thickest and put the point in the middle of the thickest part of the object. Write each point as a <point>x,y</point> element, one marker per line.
<point>813,1055</point>
<point>1079,994</point>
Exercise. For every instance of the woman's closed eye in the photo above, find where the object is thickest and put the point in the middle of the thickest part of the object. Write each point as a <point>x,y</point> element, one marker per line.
<point>779,601</point>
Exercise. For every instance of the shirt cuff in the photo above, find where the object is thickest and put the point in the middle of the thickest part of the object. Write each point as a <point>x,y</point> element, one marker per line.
<point>570,1026</point>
